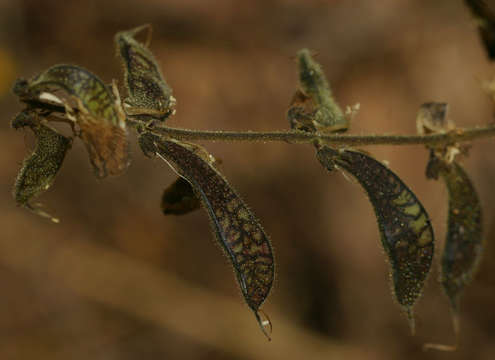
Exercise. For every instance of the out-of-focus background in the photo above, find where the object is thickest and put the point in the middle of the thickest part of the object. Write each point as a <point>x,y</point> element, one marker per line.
<point>118,280</point>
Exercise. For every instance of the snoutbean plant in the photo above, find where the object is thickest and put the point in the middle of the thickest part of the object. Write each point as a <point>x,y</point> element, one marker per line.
<point>101,120</point>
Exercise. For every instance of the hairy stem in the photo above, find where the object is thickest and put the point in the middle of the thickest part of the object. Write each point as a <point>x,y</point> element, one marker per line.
<point>299,137</point>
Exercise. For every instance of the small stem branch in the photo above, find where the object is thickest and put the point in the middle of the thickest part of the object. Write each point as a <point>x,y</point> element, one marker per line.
<point>299,137</point>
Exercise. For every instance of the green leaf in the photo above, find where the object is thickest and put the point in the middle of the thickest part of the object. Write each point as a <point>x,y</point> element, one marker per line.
<point>405,228</point>
<point>235,227</point>
<point>149,96</point>
<point>39,169</point>
<point>97,112</point>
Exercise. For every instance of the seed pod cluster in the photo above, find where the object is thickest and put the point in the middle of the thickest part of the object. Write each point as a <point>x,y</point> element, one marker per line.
<point>97,112</point>
<point>235,227</point>
<point>405,228</point>
<point>39,169</point>
<point>149,96</point>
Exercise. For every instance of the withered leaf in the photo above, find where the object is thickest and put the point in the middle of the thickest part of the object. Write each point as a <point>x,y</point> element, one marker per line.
<point>405,228</point>
<point>39,169</point>
<point>235,227</point>
<point>148,93</point>
<point>99,113</point>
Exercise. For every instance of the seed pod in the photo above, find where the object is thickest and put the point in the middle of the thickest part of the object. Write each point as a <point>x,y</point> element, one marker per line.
<point>39,169</point>
<point>464,245</point>
<point>148,93</point>
<point>405,229</point>
<point>236,228</point>
<point>485,20</point>
<point>179,198</point>
<point>98,114</point>
<point>327,115</point>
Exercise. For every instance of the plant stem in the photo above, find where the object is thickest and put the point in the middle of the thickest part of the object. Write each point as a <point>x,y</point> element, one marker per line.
<point>300,137</point>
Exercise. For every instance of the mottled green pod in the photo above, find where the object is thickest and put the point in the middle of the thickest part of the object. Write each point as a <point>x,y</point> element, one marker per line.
<point>464,245</point>
<point>236,228</point>
<point>485,19</point>
<point>179,198</point>
<point>148,93</point>
<point>39,169</point>
<point>99,114</point>
<point>327,115</point>
<point>405,228</point>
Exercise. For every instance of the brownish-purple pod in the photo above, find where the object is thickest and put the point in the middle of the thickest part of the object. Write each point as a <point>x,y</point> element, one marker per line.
<point>405,228</point>
<point>236,228</point>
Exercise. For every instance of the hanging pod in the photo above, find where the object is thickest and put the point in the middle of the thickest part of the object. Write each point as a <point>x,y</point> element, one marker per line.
<point>235,227</point>
<point>93,107</point>
<point>405,228</point>
<point>464,241</point>
<point>39,169</point>
<point>149,96</point>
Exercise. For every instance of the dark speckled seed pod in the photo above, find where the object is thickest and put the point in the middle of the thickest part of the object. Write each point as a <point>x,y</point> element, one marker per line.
<point>99,116</point>
<point>405,229</point>
<point>149,96</point>
<point>39,169</point>
<point>236,228</point>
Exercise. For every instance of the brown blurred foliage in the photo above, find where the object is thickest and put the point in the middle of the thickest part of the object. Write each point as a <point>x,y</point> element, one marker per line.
<point>118,280</point>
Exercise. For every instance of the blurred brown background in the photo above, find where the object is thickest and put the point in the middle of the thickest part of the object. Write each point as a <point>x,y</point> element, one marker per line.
<point>117,280</point>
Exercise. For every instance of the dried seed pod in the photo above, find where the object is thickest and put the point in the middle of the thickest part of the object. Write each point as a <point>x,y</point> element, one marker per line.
<point>405,228</point>
<point>236,228</point>
<point>39,169</point>
<point>432,118</point>
<point>98,113</point>
<point>485,20</point>
<point>179,198</point>
<point>327,115</point>
<point>148,93</point>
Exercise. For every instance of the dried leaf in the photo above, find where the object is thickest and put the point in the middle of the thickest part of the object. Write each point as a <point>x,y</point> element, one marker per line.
<point>39,169</point>
<point>327,115</point>
<point>179,198</point>
<point>149,94</point>
<point>99,113</point>
<point>236,228</point>
<point>405,228</point>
